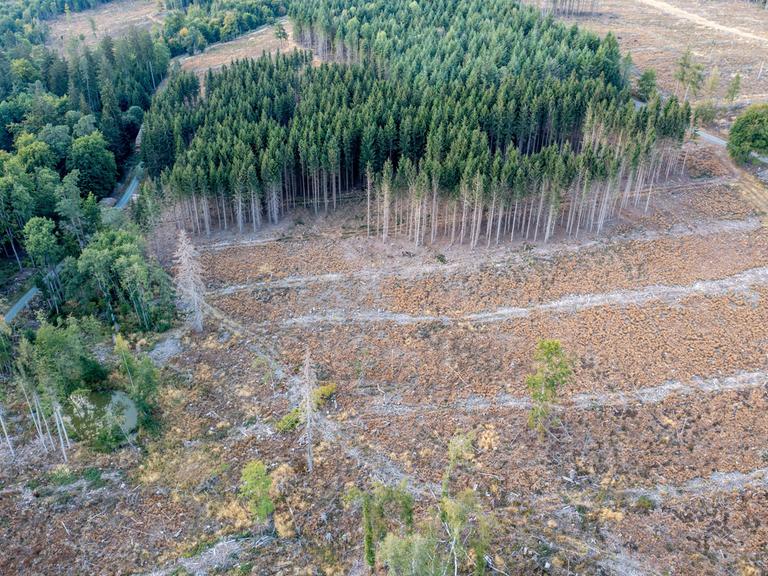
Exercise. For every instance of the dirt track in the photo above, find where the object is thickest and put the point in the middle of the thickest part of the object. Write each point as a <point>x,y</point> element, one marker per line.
<point>668,8</point>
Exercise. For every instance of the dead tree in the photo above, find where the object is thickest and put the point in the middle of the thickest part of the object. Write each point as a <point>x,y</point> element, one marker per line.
<point>61,430</point>
<point>368,187</point>
<point>310,383</point>
<point>189,280</point>
<point>5,433</point>
<point>23,381</point>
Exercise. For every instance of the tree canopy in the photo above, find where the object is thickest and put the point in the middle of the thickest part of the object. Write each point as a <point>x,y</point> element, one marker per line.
<point>59,113</point>
<point>489,104</point>
<point>749,134</point>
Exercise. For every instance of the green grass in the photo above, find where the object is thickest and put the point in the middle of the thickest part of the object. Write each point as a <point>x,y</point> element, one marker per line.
<point>93,477</point>
<point>62,476</point>
<point>645,504</point>
<point>200,547</point>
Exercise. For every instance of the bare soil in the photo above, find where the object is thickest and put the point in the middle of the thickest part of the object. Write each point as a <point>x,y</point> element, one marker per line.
<point>666,322</point>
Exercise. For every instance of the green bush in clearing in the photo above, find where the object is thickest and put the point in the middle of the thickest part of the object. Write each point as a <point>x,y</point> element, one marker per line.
<point>254,489</point>
<point>324,393</point>
<point>62,476</point>
<point>290,421</point>
<point>645,504</point>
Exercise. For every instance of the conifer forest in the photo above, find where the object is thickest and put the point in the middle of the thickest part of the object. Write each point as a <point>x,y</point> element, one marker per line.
<point>459,124</point>
<point>383,287</point>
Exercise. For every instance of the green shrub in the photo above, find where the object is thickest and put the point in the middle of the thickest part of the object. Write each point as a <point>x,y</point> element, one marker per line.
<point>62,476</point>
<point>290,421</point>
<point>322,394</point>
<point>93,477</point>
<point>107,440</point>
<point>645,504</point>
<point>254,490</point>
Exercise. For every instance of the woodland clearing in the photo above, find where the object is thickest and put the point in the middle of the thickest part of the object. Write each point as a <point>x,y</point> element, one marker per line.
<point>731,36</point>
<point>656,462</point>
<point>664,408</point>
<point>251,45</point>
<point>113,19</point>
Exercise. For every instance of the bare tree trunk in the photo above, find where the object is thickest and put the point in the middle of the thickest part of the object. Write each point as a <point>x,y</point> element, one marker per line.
<point>240,212</point>
<point>5,433</point>
<point>60,433</point>
<point>368,196</point>
<point>189,280</point>
<point>310,381</point>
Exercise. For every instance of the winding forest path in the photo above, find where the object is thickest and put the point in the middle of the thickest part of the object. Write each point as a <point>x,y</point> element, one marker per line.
<point>471,260</point>
<point>717,482</point>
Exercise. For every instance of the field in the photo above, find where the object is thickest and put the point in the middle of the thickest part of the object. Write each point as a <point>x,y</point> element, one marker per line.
<point>113,19</point>
<point>732,36</point>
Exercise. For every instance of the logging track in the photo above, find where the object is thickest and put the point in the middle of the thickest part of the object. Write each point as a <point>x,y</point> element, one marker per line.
<point>740,283</point>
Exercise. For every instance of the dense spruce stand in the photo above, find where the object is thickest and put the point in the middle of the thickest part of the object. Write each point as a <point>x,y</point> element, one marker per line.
<point>480,121</point>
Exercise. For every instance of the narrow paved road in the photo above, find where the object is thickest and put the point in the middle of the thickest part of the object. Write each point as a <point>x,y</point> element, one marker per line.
<point>129,192</point>
<point>22,303</point>
<point>32,293</point>
<point>706,136</point>
<point>720,142</point>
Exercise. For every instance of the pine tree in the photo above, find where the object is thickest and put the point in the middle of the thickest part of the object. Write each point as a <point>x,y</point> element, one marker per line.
<point>280,33</point>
